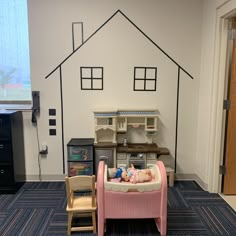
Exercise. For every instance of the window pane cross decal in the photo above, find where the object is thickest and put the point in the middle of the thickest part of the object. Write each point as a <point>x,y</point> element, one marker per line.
<point>91,78</point>
<point>145,78</point>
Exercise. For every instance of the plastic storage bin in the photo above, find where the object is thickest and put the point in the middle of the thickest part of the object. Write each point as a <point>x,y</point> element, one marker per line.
<point>80,156</point>
<point>80,168</point>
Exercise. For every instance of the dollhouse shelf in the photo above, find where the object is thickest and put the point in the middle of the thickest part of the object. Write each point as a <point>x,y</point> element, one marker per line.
<point>108,123</point>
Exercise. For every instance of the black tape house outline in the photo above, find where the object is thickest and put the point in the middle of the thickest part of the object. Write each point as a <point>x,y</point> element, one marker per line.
<point>59,67</point>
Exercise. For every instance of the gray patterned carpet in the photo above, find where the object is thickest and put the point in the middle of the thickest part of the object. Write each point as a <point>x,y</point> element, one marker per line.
<point>39,209</point>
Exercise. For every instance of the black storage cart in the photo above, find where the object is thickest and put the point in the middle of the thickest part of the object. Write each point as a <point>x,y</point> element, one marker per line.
<point>80,156</point>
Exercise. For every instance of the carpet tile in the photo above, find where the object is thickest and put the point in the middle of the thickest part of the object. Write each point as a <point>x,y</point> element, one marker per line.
<point>38,208</point>
<point>176,199</point>
<point>38,198</point>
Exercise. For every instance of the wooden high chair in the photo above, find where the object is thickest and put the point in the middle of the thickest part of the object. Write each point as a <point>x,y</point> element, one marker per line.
<point>81,205</point>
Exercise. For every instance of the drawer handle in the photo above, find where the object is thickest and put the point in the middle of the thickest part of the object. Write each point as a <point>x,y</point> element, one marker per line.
<point>2,146</point>
<point>2,171</point>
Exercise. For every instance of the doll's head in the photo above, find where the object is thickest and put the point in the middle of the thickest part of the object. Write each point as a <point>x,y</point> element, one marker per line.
<point>124,176</point>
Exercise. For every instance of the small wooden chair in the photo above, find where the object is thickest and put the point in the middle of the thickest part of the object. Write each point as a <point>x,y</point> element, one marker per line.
<point>81,205</point>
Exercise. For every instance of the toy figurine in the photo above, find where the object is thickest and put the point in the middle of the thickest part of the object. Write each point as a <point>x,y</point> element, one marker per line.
<point>115,172</point>
<point>137,176</point>
<point>131,174</point>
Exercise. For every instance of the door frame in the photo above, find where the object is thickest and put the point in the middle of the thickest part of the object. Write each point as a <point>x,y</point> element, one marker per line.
<point>219,82</point>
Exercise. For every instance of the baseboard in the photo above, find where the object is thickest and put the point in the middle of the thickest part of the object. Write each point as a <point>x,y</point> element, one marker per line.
<point>192,177</point>
<point>31,178</point>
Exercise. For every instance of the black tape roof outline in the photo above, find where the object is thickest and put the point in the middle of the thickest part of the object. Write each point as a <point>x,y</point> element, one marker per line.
<point>119,11</point>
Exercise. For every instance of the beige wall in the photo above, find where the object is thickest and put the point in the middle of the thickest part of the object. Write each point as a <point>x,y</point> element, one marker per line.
<point>210,137</point>
<point>173,25</point>
<point>185,29</point>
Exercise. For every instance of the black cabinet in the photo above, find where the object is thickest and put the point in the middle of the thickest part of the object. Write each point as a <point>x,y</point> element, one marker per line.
<point>12,160</point>
<point>80,157</point>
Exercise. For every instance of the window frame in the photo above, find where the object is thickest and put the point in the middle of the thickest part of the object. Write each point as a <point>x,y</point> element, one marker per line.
<point>145,79</point>
<point>92,77</point>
